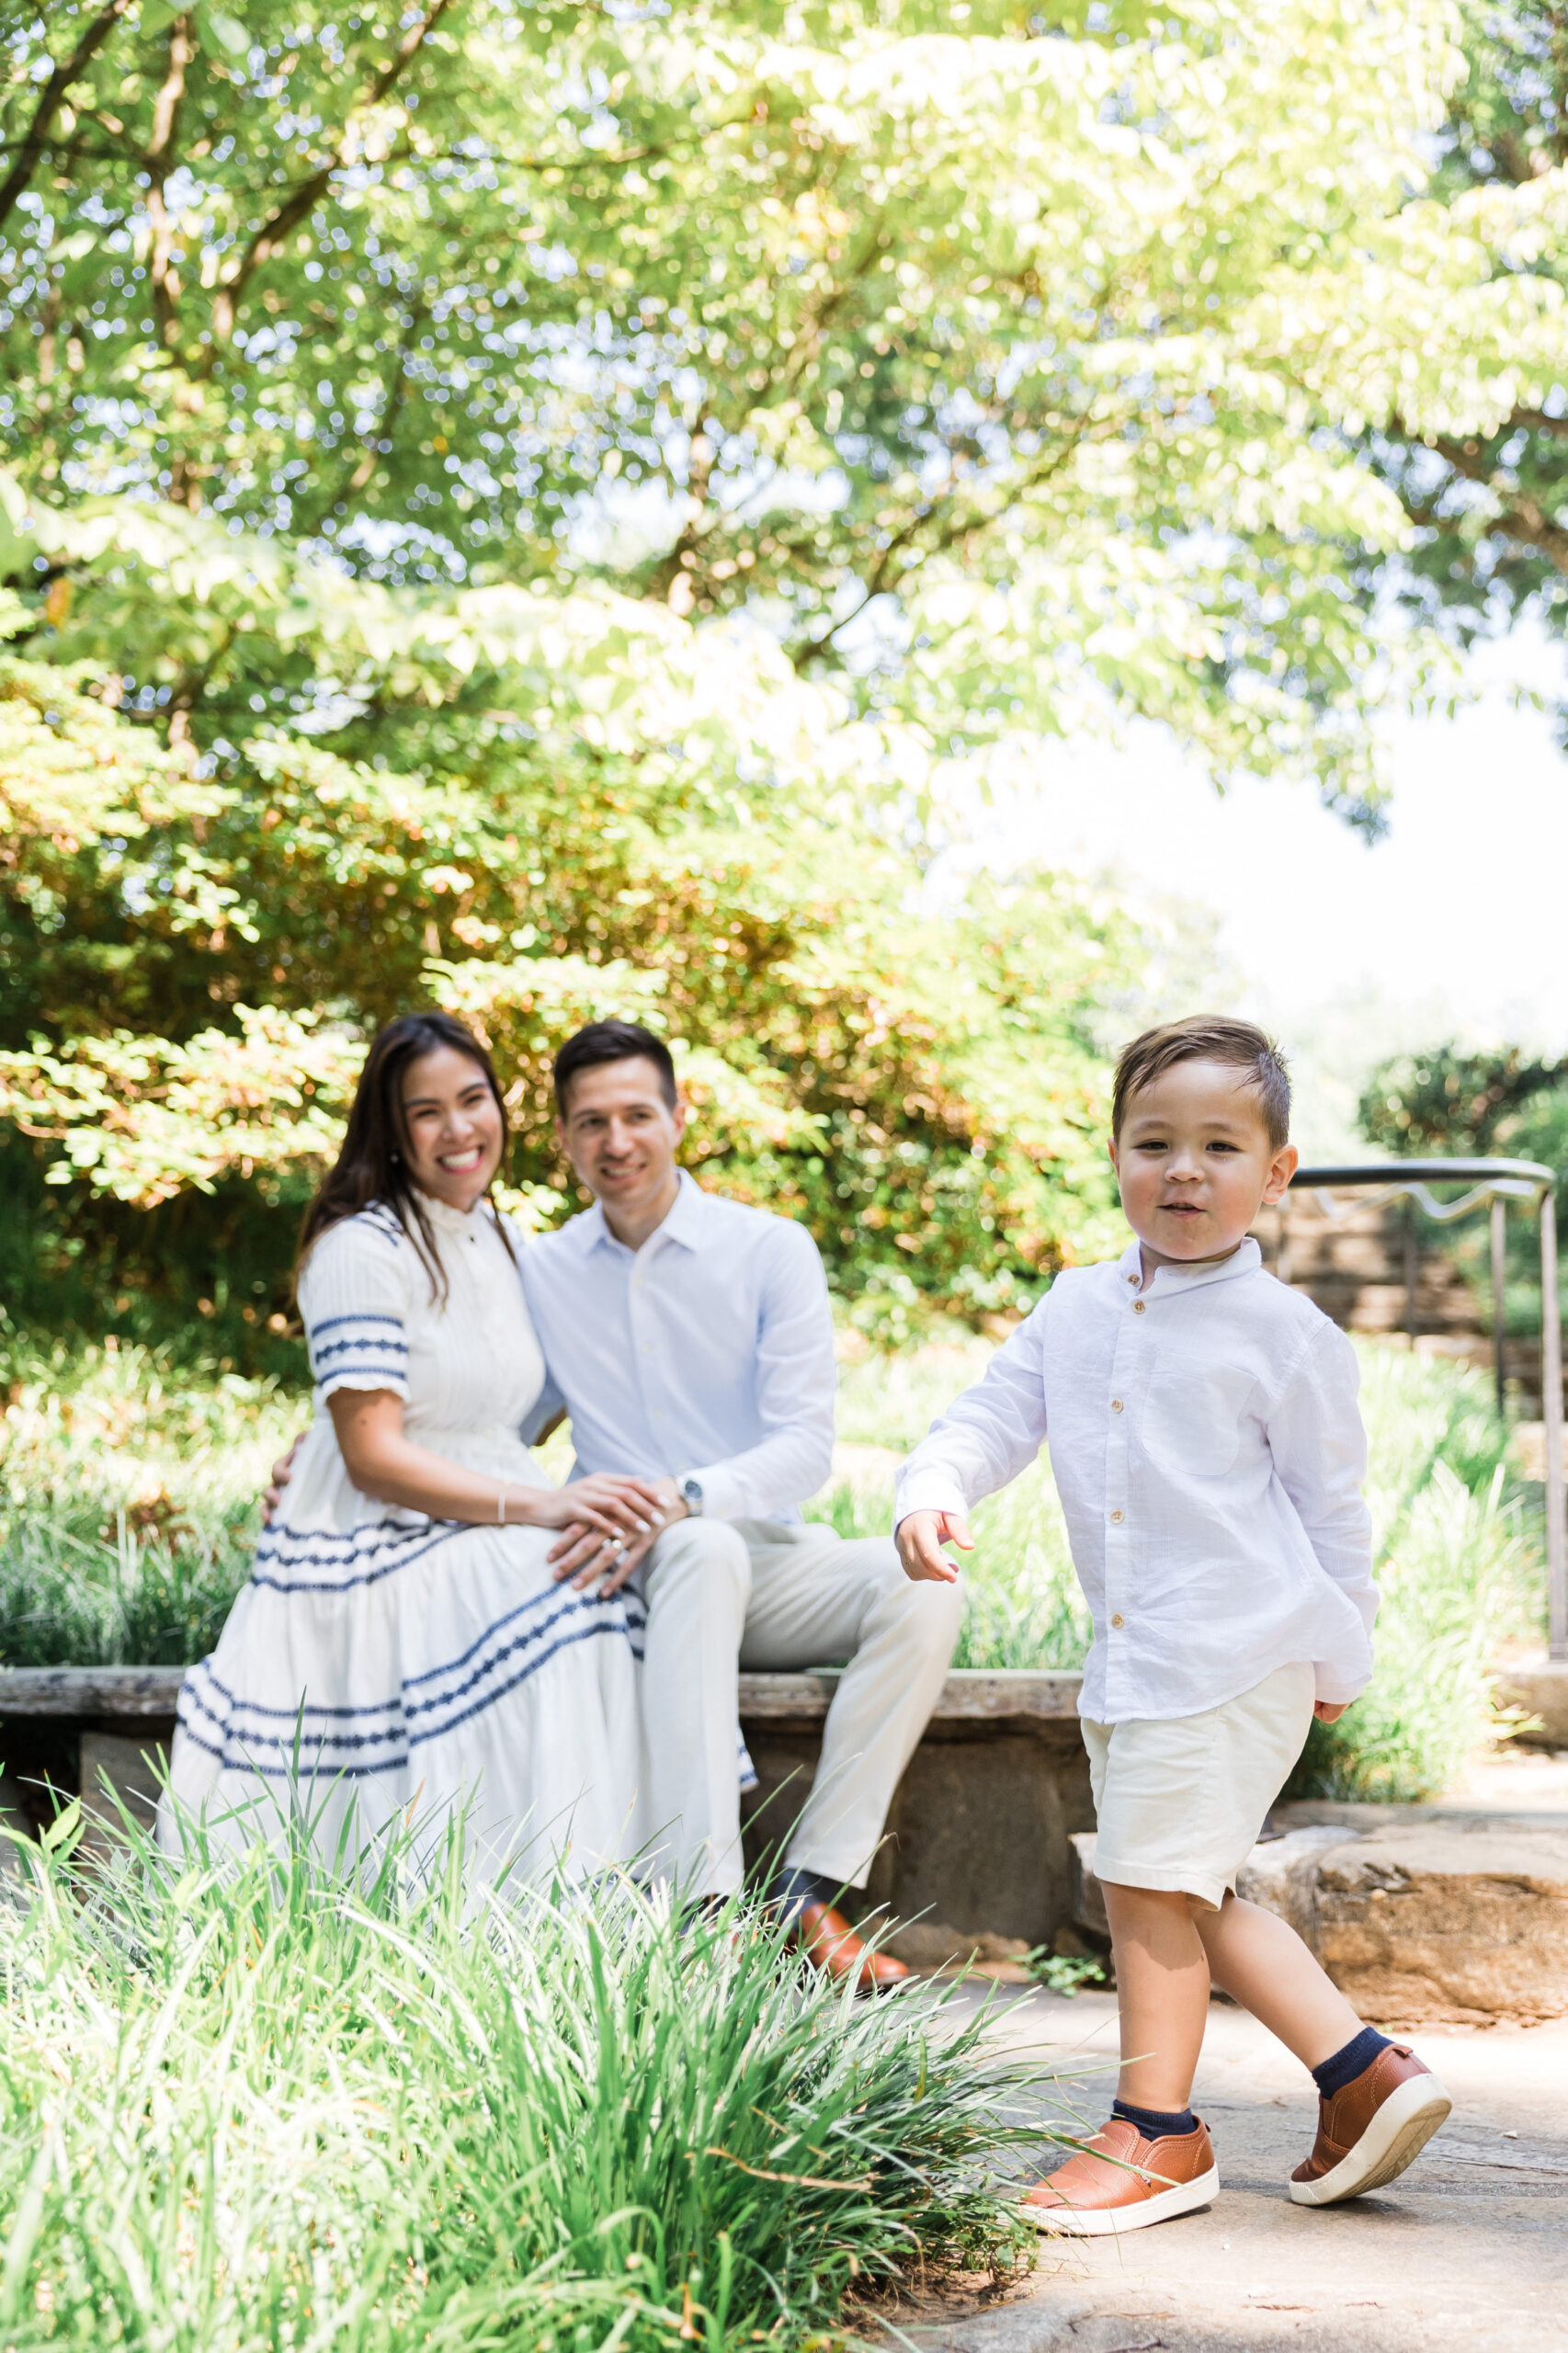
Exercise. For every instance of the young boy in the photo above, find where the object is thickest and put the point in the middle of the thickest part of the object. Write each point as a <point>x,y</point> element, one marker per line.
<point>1207,1447</point>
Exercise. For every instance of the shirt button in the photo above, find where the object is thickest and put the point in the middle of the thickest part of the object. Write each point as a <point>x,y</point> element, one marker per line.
<point>1119,1622</point>
<point>1116,1405</point>
<point>1139,1305</point>
<point>1116,1515</point>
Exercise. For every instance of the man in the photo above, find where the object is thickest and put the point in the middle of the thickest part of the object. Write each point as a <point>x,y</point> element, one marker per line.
<point>690,1340</point>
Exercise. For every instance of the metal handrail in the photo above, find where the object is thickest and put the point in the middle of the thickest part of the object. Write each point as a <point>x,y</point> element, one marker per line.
<point>1493,1183</point>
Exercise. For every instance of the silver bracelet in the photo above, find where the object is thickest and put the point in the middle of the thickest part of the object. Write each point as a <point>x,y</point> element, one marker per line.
<point>501,1507</point>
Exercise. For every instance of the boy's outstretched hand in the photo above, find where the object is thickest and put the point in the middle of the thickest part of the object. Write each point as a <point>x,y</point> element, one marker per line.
<point>920,1539</point>
<point>1328,1712</point>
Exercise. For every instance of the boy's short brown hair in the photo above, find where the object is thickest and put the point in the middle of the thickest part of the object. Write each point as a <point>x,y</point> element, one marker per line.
<point>1209,1038</point>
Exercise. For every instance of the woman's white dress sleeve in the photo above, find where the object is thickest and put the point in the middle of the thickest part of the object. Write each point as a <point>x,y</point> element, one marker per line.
<point>354,1305</point>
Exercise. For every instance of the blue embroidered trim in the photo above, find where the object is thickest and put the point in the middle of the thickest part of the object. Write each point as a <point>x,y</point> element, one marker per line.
<point>537,1601</point>
<point>305,1708</point>
<point>388,1764</point>
<point>488,1666</point>
<point>308,1707</point>
<point>426,1538</point>
<point>331,1323</point>
<point>583,1634</point>
<point>360,1340</point>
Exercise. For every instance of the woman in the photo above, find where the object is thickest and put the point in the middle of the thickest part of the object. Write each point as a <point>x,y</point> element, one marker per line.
<point>404,1646</point>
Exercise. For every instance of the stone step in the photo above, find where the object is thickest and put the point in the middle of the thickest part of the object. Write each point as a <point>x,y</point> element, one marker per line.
<point>1540,1689</point>
<point>1421,1917</point>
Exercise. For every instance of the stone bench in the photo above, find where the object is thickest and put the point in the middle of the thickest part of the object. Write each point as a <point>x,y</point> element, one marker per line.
<point>1419,1912</point>
<point>977,1836</point>
<point>977,1845</point>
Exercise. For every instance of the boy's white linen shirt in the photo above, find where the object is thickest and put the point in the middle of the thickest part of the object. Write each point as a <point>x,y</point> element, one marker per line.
<point>1210,1456</point>
<point>709,1351</point>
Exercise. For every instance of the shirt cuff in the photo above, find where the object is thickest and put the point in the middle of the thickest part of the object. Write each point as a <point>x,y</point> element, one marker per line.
<point>936,1489</point>
<point>723,1495</point>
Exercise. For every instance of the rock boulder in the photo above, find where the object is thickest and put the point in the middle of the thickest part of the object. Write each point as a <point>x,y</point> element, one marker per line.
<point>1418,1920</point>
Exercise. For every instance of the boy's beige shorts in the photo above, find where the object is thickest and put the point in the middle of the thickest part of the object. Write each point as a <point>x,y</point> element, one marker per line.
<point>1179,1804</point>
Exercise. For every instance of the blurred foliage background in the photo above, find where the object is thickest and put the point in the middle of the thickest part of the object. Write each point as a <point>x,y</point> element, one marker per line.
<point>551,511</point>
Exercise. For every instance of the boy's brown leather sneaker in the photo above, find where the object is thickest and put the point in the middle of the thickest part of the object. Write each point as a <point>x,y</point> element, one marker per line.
<point>1369,2132</point>
<point>1119,2181</point>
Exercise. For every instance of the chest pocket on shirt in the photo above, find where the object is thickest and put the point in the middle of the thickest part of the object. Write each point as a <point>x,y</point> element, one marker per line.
<point>1195,1424</point>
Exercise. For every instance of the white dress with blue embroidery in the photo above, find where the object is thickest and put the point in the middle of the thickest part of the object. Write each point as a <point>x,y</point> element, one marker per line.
<point>400,1665</point>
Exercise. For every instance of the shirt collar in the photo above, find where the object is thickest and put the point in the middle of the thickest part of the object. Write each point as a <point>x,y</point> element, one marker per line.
<point>444,1218</point>
<point>683,1222</point>
<point>1242,1261</point>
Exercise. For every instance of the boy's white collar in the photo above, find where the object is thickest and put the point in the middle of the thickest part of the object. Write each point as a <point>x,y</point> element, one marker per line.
<point>1244,1260</point>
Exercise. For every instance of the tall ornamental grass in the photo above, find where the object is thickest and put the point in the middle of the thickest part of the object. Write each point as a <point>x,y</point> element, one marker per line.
<point>253,2106</point>
<point>1459,1564</point>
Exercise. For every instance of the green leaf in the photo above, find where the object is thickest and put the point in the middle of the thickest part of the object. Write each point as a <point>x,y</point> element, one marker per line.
<point>63,1831</point>
<point>227,31</point>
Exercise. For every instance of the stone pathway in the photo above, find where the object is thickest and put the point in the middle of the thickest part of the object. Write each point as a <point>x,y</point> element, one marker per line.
<point>1469,2250</point>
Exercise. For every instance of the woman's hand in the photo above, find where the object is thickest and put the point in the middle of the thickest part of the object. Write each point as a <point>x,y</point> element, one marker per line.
<point>584,1553</point>
<point>282,1472</point>
<point>618,1507</point>
<point>583,1556</point>
<point>383,1463</point>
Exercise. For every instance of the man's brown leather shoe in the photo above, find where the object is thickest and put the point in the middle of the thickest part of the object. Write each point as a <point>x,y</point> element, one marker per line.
<point>832,1945</point>
<point>1369,2132</point>
<point>1119,2181</point>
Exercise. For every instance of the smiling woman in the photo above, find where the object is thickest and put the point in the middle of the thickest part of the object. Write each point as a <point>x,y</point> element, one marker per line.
<point>403,1649</point>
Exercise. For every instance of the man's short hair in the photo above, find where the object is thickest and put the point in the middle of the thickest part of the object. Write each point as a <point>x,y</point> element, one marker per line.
<point>1207,1038</point>
<point>612,1041</point>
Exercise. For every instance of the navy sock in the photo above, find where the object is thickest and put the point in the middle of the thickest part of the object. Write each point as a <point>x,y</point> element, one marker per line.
<point>1354,2059</point>
<point>1156,2123</point>
<point>793,1890</point>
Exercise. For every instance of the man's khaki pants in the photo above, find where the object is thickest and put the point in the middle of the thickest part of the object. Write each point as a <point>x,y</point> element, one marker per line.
<point>777,1597</point>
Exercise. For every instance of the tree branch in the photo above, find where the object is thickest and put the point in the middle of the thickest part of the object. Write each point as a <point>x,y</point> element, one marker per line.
<point>274,231</point>
<point>397,384</point>
<point>959,522</point>
<point>160,147</point>
<point>1521,517</point>
<point>51,99</point>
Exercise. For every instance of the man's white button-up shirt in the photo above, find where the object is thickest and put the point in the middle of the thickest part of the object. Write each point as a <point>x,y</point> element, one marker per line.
<point>1208,1453</point>
<point>709,1351</point>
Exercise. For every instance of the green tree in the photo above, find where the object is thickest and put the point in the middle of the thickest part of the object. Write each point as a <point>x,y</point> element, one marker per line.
<point>535,505</point>
<point>1490,503</point>
<point>1450,1102</point>
<point>1004,363</point>
<point>192,958</point>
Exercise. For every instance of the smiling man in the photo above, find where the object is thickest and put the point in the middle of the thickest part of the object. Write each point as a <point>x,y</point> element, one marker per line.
<point>690,1340</point>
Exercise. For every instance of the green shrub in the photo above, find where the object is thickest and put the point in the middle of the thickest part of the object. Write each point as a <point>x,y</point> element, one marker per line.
<point>129,1487</point>
<point>1452,1589</point>
<point>253,2106</point>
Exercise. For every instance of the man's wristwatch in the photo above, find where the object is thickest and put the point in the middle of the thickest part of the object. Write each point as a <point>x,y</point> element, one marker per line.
<point>691,1497</point>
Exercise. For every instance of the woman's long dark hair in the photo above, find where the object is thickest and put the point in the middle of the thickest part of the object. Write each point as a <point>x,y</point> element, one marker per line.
<point>372,1161</point>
